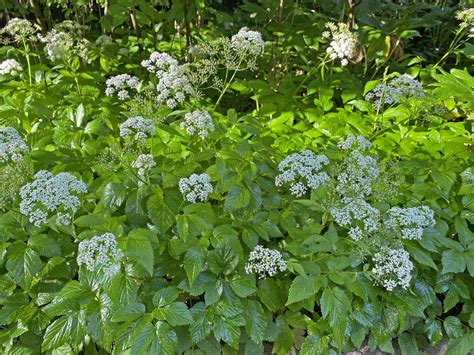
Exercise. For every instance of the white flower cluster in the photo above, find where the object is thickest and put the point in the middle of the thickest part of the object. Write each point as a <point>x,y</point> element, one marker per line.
<point>467,18</point>
<point>358,215</point>
<point>392,93</point>
<point>343,43</point>
<point>248,42</point>
<point>359,172</point>
<point>173,84</point>
<point>10,67</point>
<point>159,63</point>
<point>48,193</point>
<point>12,146</point>
<point>141,128</point>
<point>265,262</point>
<point>302,170</point>
<point>143,163</point>
<point>197,121</point>
<point>19,30</point>
<point>352,142</point>
<point>392,268</point>
<point>411,221</point>
<point>120,84</point>
<point>100,254</point>
<point>196,187</point>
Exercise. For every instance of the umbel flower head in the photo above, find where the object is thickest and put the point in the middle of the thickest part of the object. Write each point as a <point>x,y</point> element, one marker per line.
<point>100,254</point>
<point>302,171</point>
<point>138,127</point>
<point>120,84</point>
<point>248,42</point>
<point>17,30</point>
<point>51,195</point>
<point>466,17</point>
<point>343,43</point>
<point>196,187</point>
<point>199,122</point>
<point>173,85</point>
<point>265,262</point>
<point>392,268</point>
<point>143,163</point>
<point>395,91</point>
<point>12,146</point>
<point>10,67</point>
<point>410,221</point>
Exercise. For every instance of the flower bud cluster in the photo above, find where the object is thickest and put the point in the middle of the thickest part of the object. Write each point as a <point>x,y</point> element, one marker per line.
<point>12,146</point>
<point>100,254</point>
<point>199,122</point>
<point>48,195</point>
<point>265,262</point>
<point>302,171</point>
<point>195,188</point>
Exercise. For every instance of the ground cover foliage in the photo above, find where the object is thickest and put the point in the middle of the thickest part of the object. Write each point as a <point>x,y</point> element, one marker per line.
<point>207,177</point>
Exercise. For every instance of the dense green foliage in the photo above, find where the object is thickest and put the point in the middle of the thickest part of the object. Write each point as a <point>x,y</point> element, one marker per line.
<point>180,283</point>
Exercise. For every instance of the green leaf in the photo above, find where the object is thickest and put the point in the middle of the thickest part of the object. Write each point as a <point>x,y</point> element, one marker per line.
<point>226,256</point>
<point>462,345</point>
<point>175,314</point>
<point>243,286</point>
<point>453,327</point>
<point>69,329</point>
<point>237,198</point>
<point>140,250</point>
<point>256,322</point>
<point>23,264</point>
<point>129,312</point>
<point>165,341</point>
<point>142,338</point>
<point>272,294</point>
<point>90,220</point>
<point>194,263</point>
<point>407,344</point>
<point>160,212</point>
<point>453,261</point>
<point>465,236</point>
<point>433,331</point>
<point>165,296</point>
<point>302,288</point>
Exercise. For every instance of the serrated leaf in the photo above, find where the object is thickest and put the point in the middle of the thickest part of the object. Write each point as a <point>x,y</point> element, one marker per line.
<point>434,331</point>
<point>165,341</point>
<point>140,250</point>
<point>407,344</point>
<point>165,296</point>
<point>193,264</point>
<point>129,312</point>
<point>243,286</point>
<point>175,314</point>
<point>237,198</point>
<point>69,329</point>
<point>302,288</point>
<point>462,345</point>
<point>453,261</point>
<point>271,294</point>
<point>23,264</point>
<point>452,327</point>
<point>256,322</point>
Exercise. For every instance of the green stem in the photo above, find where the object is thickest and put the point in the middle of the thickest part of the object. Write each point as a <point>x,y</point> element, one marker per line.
<point>27,55</point>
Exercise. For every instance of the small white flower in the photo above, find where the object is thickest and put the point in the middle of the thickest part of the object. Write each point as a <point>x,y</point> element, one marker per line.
<point>20,29</point>
<point>12,146</point>
<point>265,262</point>
<point>196,187</point>
<point>10,67</point>
<point>392,268</point>
<point>302,171</point>
<point>399,88</point>
<point>199,122</point>
<point>159,63</point>
<point>248,42</point>
<point>138,127</point>
<point>410,221</point>
<point>100,254</point>
<point>120,84</point>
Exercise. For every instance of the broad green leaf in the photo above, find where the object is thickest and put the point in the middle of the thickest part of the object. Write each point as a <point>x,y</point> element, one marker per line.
<point>140,250</point>
<point>165,296</point>
<point>23,264</point>
<point>226,256</point>
<point>256,322</point>
<point>166,340</point>
<point>129,312</point>
<point>243,286</point>
<point>175,314</point>
<point>462,345</point>
<point>453,261</point>
<point>453,327</point>
<point>194,261</point>
<point>407,344</point>
<point>68,329</point>
<point>237,198</point>
<point>302,288</point>
<point>434,331</point>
